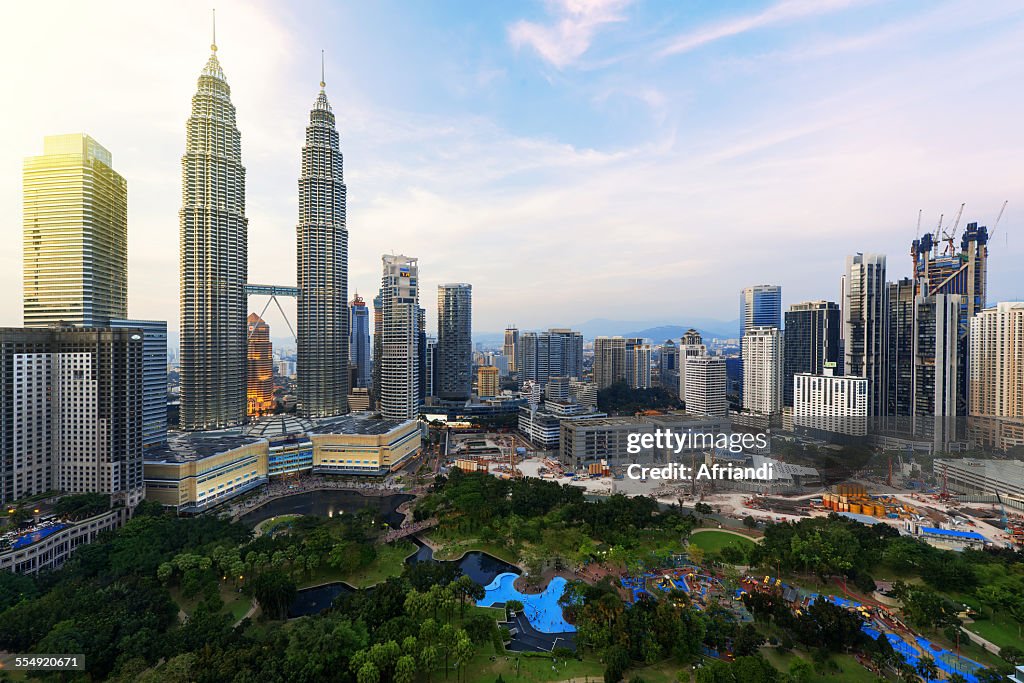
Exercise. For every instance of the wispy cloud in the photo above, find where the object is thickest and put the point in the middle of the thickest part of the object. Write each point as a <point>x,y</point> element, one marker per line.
<point>572,29</point>
<point>781,12</point>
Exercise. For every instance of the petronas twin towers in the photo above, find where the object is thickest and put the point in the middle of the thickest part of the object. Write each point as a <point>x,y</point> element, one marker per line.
<point>214,264</point>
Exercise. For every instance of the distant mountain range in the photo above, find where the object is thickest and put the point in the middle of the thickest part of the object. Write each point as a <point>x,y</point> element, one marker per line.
<point>655,330</point>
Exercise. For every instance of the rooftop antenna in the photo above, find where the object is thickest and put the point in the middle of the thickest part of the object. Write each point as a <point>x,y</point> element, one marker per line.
<point>323,84</point>
<point>213,45</point>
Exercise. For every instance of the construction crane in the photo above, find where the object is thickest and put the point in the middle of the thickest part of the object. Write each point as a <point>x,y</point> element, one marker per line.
<point>998,218</point>
<point>949,236</point>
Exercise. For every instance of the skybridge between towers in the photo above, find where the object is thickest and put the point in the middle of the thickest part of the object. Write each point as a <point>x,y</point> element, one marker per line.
<point>273,292</point>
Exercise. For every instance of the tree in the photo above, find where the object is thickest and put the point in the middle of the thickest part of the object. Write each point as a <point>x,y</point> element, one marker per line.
<point>274,590</point>
<point>463,652</point>
<point>405,669</point>
<point>695,553</point>
<point>749,522</point>
<point>616,661</point>
<point>926,668</point>
<point>368,673</point>
<point>1012,654</point>
<point>800,671</point>
<point>428,659</point>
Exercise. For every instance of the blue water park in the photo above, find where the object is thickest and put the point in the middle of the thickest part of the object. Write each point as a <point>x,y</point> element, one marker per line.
<point>911,649</point>
<point>541,609</point>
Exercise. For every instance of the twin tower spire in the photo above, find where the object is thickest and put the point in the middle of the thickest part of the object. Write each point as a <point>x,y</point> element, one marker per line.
<point>214,262</point>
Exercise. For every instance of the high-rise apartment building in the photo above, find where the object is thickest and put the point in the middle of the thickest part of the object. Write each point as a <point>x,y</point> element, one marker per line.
<point>762,370</point>
<point>555,353</point>
<point>934,407</point>
<point>900,359</point>
<point>260,369</point>
<point>691,344</point>
<point>399,359</point>
<point>214,259</point>
<point>378,349</point>
<point>511,348</point>
<point>75,239</point>
<point>705,386</point>
<point>487,382</point>
<point>760,306</point>
<point>454,342</point>
<point>810,342</point>
<point>997,375</point>
<point>322,338</point>
<point>430,372</point>
<point>359,341</point>
<point>154,379</point>
<point>421,354</point>
<point>609,361</point>
<point>638,364</point>
<point>71,412</point>
<point>865,326</point>
<point>668,366</point>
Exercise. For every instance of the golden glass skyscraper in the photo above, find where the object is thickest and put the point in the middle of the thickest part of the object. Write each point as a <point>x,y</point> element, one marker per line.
<point>75,235</point>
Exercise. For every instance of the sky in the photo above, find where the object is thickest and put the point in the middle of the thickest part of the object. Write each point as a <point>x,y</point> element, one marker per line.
<point>572,159</point>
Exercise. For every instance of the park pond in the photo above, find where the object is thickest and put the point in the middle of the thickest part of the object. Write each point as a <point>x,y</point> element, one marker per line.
<point>479,566</point>
<point>327,503</point>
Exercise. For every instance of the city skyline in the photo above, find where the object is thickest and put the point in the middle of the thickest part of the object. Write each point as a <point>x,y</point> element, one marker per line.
<point>425,174</point>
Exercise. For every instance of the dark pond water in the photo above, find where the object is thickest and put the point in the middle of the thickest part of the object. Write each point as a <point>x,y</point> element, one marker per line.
<point>327,504</point>
<point>315,600</point>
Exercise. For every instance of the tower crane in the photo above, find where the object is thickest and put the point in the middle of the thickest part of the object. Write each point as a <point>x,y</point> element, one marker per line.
<point>998,218</point>
<point>949,236</point>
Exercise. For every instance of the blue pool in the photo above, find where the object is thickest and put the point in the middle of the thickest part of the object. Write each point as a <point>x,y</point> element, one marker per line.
<point>542,610</point>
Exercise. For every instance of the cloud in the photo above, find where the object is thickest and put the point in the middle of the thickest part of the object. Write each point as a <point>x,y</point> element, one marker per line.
<point>572,30</point>
<point>781,12</point>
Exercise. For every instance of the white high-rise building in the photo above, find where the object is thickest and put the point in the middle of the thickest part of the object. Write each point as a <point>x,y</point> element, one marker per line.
<point>996,375</point>
<point>865,325</point>
<point>705,386</point>
<point>399,371</point>
<point>762,370</point>
<point>690,345</point>
<point>837,405</point>
<point>638,364</point>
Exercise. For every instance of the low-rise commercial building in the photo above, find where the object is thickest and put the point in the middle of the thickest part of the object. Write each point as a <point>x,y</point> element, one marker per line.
<point>591,440</point>
<point>199,470</point>
<point>971,476</point>
<point>49,547</point>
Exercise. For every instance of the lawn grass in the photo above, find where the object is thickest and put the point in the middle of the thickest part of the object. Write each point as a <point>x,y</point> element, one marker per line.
<point>269,526</point>
<point>712,541</point>
<point>1000,629</point>
<point>236,604</point>
<point>454,547</point>
<point>533,668</point>
<point>848,669</point>
<point>390,562</point>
